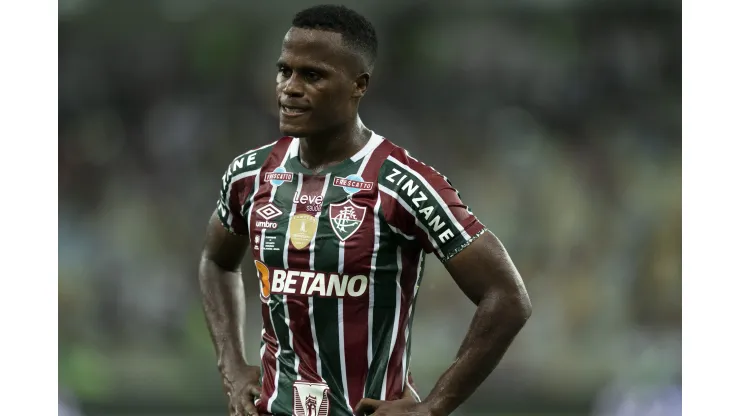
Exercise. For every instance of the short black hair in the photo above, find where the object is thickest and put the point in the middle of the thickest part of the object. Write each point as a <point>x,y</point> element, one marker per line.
<point>356,30</point>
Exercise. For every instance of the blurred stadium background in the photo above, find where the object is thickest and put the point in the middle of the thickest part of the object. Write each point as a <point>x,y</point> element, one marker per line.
<point>559,121</point>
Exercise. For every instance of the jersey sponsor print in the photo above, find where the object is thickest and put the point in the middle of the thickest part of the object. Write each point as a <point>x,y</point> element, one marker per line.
<point>339,257</point>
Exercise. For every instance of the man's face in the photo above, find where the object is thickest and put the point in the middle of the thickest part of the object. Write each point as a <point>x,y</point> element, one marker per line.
<point>316,82</point>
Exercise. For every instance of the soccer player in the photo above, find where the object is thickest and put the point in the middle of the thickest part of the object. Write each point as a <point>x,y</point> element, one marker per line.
<point>338,220</point>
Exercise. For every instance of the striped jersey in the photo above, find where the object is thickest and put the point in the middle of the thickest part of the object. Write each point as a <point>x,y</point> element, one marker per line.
<point>339,257</point>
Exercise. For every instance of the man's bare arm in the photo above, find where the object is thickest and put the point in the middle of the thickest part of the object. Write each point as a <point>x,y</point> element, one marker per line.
<point>487,276</point>
<point>223,295</point>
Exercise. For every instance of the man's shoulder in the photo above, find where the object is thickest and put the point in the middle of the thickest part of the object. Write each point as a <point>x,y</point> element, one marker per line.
<point>255,158</point>
<point>400,165</point>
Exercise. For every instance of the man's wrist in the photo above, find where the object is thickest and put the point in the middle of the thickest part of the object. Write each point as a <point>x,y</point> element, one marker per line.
<point>231,366</point>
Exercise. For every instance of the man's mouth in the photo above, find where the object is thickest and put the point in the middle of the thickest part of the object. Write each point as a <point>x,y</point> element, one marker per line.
<point>292,111</point>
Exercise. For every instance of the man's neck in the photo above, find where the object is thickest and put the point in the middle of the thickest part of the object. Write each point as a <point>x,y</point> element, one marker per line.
<point>320,152</point>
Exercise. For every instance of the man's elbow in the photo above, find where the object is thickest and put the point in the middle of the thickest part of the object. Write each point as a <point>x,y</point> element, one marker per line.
<point>516,307</point>
<point>524,307</point>
<point>518,302</point>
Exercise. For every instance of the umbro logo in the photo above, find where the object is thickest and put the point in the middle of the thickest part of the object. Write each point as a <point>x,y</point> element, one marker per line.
<point>269,212</point>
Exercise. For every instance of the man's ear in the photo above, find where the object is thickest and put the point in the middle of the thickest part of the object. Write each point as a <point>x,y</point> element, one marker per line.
<point>361,84</point>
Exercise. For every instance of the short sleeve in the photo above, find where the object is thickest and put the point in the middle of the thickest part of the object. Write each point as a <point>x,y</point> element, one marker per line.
<point>432,210</point>
<point>447,225</point>
<point>236,185</point>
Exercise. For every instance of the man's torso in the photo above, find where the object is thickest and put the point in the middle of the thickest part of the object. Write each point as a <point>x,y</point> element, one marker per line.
<point>339,258</point>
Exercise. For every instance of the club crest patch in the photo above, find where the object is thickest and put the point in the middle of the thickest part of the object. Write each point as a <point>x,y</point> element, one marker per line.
<point>310,399</point>
<point>346,218</point>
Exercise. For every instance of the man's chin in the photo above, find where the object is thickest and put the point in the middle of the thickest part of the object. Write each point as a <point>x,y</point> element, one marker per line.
<point>294,130</point>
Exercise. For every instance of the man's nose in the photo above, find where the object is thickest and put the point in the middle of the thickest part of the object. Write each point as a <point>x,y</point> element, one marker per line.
<point>293,86</point>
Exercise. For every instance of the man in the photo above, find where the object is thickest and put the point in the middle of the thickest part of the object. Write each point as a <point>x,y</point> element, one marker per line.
<point>338,220</point>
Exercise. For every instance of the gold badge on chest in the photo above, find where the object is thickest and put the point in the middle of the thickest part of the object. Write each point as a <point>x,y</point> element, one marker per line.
<point>302,229</point>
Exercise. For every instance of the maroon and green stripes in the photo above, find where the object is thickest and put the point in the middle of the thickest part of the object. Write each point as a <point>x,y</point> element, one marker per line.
<point>271,340</point>
<point>326,310</point>
<point>298,308</point>
<point>442,223</point>
<point>358,345</point>
<point>278,305</point>
<point>238,185</point>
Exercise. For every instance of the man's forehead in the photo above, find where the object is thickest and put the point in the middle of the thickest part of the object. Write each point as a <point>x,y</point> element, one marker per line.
<point>304,36</point>
<point>320,45</point>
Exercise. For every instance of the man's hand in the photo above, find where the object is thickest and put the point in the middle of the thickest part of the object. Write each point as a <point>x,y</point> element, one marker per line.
<point>243,389</point>
<point>408,394</point>
<point>408,406</point>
